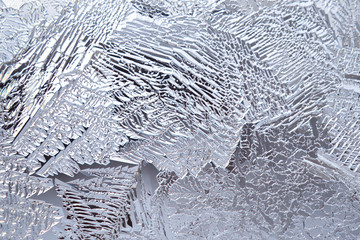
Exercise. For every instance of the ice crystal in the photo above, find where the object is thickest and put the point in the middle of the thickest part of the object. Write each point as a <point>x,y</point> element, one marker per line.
<point>163,119</point>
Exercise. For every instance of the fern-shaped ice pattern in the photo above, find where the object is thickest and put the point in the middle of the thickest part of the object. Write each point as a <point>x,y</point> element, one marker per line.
<point>180,119</point>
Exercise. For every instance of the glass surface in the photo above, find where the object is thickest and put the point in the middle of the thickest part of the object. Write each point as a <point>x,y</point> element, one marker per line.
<point>190,119</point>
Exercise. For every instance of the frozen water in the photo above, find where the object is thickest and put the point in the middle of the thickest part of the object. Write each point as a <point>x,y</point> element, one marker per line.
<point>162,119</point>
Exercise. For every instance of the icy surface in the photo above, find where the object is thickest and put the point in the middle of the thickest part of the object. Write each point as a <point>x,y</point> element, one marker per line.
<point>162,119</point>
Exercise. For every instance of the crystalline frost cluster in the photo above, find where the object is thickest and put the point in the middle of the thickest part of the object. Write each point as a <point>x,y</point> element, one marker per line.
<point>191,119</point>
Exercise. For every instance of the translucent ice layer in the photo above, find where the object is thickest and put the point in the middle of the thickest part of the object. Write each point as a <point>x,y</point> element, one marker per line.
<point>162,119</point>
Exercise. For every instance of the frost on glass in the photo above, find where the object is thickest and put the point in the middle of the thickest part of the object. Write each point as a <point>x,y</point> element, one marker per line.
<point>161,119</point>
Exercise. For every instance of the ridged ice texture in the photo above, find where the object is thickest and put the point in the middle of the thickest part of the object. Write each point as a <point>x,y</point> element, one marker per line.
<point>99,207</point>
<point>22,217</point>
<point>218,119</point>
<point>173,101</point>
